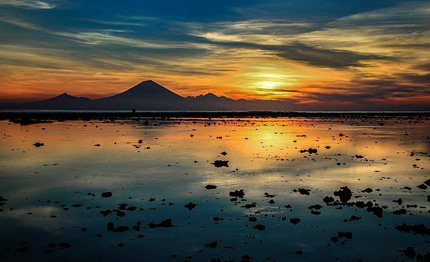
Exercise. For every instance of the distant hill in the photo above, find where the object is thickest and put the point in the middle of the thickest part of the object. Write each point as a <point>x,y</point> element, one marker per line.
<point>61,102</point>
<point>149,96</point>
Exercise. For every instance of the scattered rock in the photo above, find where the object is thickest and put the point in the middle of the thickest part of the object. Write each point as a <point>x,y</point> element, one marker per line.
<point>237,193</point>
<point>295,221</point>
<point>190,206</point>
<point>106,194</point>
<point>344,194</point>
<point>260,227</point>
<point>164,223</point>
<point>220,163</point>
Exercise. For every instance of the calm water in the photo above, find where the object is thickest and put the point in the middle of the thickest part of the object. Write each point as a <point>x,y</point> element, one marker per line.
<point>54,191</point>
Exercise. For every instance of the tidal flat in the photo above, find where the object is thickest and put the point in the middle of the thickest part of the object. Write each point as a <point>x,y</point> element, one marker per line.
<point>219,189</point>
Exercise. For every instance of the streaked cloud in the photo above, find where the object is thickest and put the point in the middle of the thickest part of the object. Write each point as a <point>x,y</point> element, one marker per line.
<point>31,4</point>
<point>298,52</point>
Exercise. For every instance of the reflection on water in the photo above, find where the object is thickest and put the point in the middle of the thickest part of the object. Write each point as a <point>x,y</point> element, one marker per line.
<point>54,191</point>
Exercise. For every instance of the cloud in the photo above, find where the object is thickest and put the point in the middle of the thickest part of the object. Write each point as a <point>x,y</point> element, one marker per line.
<point>30,4</point>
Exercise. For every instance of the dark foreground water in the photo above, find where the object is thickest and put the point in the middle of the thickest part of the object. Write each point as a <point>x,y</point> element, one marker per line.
<point>52,208</point>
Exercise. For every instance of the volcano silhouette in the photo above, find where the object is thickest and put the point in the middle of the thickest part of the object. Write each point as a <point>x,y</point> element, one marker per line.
<point>147,95</point>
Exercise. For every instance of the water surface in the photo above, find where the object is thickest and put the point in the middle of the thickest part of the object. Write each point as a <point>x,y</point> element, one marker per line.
<point>156,167</point>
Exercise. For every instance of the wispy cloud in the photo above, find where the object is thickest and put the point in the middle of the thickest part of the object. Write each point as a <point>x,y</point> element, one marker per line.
<point>30,4</point>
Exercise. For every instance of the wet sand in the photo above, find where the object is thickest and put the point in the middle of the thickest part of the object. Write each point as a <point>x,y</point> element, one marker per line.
<point>328,187</point>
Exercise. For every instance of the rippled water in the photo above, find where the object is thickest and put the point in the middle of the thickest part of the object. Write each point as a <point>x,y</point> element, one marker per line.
<point>54,191</point>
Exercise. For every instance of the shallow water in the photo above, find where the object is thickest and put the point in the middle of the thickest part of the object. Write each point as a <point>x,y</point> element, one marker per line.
<point>171,168</point>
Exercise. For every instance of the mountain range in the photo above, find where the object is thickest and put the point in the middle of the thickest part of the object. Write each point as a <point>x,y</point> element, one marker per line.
<point>149,96</point>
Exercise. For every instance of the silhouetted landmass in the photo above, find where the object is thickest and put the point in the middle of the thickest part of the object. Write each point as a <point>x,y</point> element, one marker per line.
<point>150,96</point>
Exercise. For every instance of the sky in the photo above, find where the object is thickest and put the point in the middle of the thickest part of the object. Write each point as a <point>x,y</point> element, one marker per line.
<point>320,52</point>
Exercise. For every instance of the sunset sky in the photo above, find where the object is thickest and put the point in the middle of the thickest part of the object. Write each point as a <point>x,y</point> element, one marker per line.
<point>349,53</point>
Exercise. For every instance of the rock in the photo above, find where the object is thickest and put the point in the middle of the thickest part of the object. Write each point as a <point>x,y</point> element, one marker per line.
<point>106,194</point>
<point>220,163</point>
<point>425,258</point>
<point>253,204</point>
<point>303,191</point>
<point>328,199</point>
<point>317,207</point>
<point>223,153</point>
<point>190,206</point>
<point>344,194</point>
<point>398,201</point>
<point>38,144</point>
<point>419,229</point>
<point>260,227</point>
<point>422,186</point>
<point>64,245</point>
<point>164,223</point>
<point>208,187</point>
<point>237,193</point>
<point>2,199</point>
<point>310,151</point>
<point>367,190</point>
<point>409,252</point>
<point>252,219</point>
<point>347,235</point>
<point>377,211</point>
<point>212,244</point>
<point>295,221</point>
<point>400,212</point>
<point>269,195</point>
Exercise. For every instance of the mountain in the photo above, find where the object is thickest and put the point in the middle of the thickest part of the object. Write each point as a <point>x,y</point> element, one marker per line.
<point>150,96</point>
<point>211,102</point>
<point>61,102</point>
<point>147,95</point>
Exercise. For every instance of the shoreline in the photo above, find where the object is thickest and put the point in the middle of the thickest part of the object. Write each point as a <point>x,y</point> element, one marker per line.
<point>75,115</point>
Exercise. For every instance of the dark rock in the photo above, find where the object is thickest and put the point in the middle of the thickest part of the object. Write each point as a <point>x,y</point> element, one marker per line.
<point>419,229</point>
<point>367,190</point>
<point>106,194</point>
<point>303,191</point>
<point>425,258</point>
<point>260,227</point>
<point>347,235</point>
<point>398,201</point>
<point>295,221</point>
<point>328,199</point>
<point>422,186</point>
<point>377,211</point>
<point>208,187</point>
<point>190,206</point>
<point>220,163</point>
<point>317,207</point>
<point>38,144</point>
<point>253,204</point>
<point>63,245</point>
<point>344,194</point>
<point>164,223</point>
<point>400,212</point>
<point>409,252</point>
<point>212,244</point>
<point>237,193</point>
